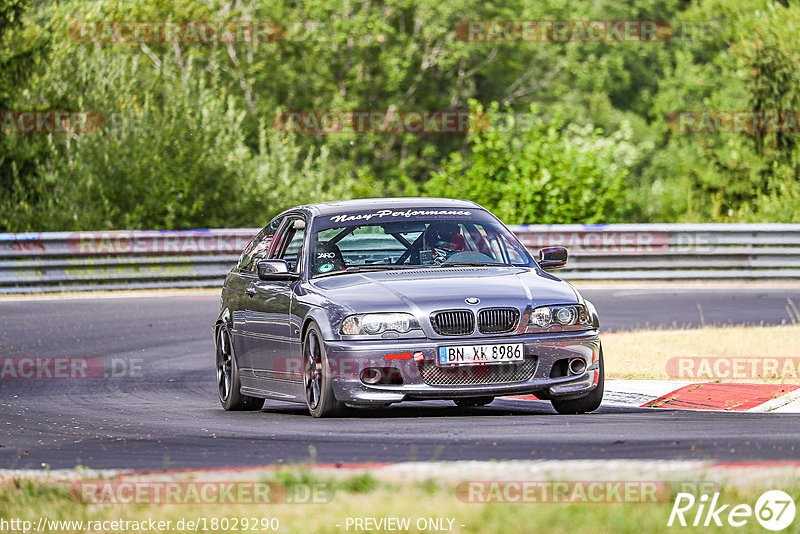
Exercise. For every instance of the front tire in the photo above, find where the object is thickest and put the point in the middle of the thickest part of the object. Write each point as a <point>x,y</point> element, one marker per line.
<point>317,377</point>
<point>587,403</point>
<point>228,384</point>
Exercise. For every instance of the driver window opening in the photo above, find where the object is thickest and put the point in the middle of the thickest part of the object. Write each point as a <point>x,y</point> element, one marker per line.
<point>290,245</point>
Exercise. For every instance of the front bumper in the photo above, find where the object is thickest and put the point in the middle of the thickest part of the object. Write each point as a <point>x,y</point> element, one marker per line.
<point>546,352</point>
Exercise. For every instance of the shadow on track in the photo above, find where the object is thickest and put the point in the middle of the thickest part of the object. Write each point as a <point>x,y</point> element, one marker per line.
<point>433,409</point>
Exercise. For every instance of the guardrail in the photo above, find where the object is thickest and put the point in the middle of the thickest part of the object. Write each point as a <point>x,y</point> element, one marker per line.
<point>77,261</point>
<point>81,261</point>
<point>672,251</point>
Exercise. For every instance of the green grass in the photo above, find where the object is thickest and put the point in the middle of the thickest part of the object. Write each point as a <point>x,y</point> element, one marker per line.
<point>364,495</point>
<point>645,354</point>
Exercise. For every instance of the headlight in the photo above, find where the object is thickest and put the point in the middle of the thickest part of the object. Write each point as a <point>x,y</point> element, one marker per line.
<point>377,323</point>
<point>564,317</point>
<point>541,317</point>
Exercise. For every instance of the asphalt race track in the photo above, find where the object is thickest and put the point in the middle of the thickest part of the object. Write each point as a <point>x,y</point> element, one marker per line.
<point>161,410</point>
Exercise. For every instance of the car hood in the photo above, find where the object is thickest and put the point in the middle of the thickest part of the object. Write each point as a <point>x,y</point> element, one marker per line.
<point>422,291</point>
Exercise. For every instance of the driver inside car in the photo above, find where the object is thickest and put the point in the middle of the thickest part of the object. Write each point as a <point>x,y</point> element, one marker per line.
<point>440,241</point>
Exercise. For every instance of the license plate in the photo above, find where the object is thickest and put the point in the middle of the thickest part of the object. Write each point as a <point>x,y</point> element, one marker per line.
<point>480,354</point>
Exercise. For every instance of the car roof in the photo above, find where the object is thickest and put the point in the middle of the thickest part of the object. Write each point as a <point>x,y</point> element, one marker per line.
<point>365,204</point>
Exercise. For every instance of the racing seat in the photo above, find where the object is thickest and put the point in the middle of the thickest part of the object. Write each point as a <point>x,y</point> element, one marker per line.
<point>328,257</point>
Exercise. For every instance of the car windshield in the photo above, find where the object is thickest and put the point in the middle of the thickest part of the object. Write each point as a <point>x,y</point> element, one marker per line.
<point>384,239</point>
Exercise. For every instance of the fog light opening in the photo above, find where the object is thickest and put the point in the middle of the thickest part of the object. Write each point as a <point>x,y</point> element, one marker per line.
<point>577,366</point>
<point>371,375</point>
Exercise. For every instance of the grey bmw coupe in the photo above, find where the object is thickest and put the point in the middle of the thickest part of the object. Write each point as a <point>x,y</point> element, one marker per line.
<point>370,302</point>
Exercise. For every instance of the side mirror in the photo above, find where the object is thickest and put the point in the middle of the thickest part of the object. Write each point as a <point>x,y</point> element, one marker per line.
<point>275,270</point>
<point>552,258</point>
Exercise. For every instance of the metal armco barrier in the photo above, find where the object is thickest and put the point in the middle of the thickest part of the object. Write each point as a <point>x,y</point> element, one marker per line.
<point>75,261</point>
<point>80,261</point>
<point>671,251</point>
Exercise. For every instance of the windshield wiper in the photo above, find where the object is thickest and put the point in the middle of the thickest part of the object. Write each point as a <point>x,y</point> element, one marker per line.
<point>379,267</point>
<point>473,264</point>
<point>372,267</point>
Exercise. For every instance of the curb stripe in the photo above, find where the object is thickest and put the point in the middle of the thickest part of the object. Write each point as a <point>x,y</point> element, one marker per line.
<point>719,396</point>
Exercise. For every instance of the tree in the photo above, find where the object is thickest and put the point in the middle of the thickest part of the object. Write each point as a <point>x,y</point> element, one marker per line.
<point>530,169</point>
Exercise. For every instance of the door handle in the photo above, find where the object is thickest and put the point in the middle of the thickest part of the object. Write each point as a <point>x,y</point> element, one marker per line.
<point>251,291</point>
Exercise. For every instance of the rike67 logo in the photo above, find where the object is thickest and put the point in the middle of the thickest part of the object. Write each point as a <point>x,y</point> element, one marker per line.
<point>774,510</point>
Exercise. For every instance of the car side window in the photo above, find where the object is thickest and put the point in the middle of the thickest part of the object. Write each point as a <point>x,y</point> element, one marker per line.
<point>290,244</point>
<point>258,247</point>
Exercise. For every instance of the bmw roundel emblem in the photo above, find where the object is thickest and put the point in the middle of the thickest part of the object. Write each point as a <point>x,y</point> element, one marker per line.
<point>472,300</point>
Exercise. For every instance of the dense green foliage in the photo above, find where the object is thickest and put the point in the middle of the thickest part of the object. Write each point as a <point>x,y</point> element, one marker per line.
<point>537,171</point>
<point>579,131</point>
